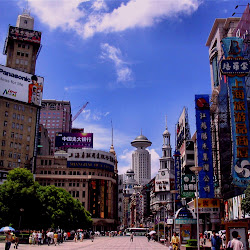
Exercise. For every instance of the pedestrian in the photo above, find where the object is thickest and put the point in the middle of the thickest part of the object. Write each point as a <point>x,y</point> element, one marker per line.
<point>30,239</point>
<point>175,241</point>
<point>92,236</point>
<point>235,244</point>
<point>55,238</point>
<point>132,237</point>
<point>40,236</point>
<point>148,236</point>
<point>8,240</point>
<point>215,241</point>
<point>75,237</point>
<point>65,236</point>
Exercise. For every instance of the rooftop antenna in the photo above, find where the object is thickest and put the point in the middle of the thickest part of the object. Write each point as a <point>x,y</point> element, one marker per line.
<point>112,133</point>
<point>26,9</point>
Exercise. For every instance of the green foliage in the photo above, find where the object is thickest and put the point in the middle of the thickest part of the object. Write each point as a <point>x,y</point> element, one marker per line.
<point>246,201</point>
<point>43,207</point>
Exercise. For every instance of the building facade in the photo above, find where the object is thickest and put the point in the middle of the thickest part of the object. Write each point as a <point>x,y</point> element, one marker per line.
<point>89,176</point>
<point>56,117</point>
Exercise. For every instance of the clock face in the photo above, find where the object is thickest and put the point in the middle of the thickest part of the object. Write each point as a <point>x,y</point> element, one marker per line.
<point>163,173</point>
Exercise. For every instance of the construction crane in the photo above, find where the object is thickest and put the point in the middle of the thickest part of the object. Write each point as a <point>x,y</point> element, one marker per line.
<point>80,111</point>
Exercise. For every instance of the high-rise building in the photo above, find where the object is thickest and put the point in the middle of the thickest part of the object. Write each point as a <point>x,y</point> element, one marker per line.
<point>141,159</point>
<point>56,117</point>
<point>18,117</point>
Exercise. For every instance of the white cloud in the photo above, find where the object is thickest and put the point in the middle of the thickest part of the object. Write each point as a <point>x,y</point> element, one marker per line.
<point>124,73</point>
<point>88,115</point>
<point>155,163</point>
<point>74,15</point>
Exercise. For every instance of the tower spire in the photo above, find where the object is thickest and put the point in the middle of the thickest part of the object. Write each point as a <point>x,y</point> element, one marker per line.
<point>166,123</point>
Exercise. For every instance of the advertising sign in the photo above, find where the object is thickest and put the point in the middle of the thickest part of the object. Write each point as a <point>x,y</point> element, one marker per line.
<point>20,86</point>
<point>204,146</point>
<point>188,186</point>
<point>26,35</point>
<point>74,140</point>
<point>177,167</point>
<point>208,205</point>
<point>232,47</point>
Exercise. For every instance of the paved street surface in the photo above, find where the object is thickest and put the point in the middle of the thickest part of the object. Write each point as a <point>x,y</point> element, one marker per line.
<point>111,243</point>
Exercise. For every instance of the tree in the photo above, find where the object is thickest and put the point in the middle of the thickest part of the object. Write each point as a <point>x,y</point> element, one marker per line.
<point>246,201</point>
<point>41,207</point>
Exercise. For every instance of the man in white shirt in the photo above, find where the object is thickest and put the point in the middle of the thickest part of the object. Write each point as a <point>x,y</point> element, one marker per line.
<point>235,243</point>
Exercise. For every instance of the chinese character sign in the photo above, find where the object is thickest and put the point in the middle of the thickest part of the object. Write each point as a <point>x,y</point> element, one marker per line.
<point>177,166</point>
<point>74,140</point>
<point>188,186</point>
<point>204,146</point>
<point>239,113</point>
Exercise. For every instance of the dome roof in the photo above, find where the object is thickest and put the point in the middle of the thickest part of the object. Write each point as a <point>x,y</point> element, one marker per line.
<point>130,171</point>
<point>141,137</point>
<point>166,132</point>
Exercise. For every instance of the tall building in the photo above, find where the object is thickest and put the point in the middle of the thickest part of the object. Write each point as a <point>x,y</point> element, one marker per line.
<point>18,115</point>
<point>56,117</point>
<point>141,159</point>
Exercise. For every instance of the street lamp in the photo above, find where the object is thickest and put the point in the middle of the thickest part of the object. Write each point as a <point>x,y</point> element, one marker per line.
<point>174,192</point>
<point>196,170</point>
<point>21,210</point>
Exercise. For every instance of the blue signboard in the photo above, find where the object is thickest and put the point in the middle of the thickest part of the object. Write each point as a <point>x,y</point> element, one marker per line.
<point>204,146</point>
<point>235,66</point>
<point>232,47</point>
<point>177,167</point>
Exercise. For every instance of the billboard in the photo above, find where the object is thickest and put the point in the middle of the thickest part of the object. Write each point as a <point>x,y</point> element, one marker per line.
<point>236,71</point>
<point>21,86</point>
<point>74,140</point>
<point>26,35</point>
<point>204,146</point>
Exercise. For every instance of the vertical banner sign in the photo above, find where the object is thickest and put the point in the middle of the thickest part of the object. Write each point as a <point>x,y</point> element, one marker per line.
<point>204,146</point>
<point>177,167</point>
<point>235,67</point>
<point>188,186</point>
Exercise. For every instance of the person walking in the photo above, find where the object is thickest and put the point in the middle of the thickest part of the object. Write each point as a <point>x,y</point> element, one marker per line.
<point>175,241</point>
<point>8,240</point>
<point>235,244</point>
<point>148,236</point>
<point>132,237</point>
<point>55,238</point>
<point>215,241</point>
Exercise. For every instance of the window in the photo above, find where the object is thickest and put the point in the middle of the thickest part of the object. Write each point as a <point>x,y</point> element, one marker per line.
<point>19,45</point>
<point>29,128</point>
<point>12,135</point>
<point>28,138</point>
<point>17,61</point>
<point>2,152</point>
<point>14,115</point>
<point>4,133</point>
<point>18,117</point>
<point>21,126</point>
<point>83,194</point>
<point>17,125</point>
<point>22,117</point>
<point>11,144</point>
<point>5,123</point>
<point>6,114</point>
<point>20,136</point>
<point>13,125</point>
<point>29,120</point>
<point>18,53</point>
<point>27,147</point>
<point>26,157</point>
<point>10,154</point>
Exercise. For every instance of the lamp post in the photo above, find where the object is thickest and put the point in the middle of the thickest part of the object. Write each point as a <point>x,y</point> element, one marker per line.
<point>21,210</point>
<point>196,170</point>
<point>174,192</point>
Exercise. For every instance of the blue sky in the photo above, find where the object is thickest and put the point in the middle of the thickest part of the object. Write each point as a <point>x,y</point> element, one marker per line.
<point>134,61</point>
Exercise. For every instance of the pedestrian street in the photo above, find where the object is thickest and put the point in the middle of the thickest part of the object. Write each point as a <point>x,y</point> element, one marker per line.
<point>111,243</point>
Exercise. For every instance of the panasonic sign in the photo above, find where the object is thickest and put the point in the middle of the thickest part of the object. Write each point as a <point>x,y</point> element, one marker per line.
<point>20,86</point>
